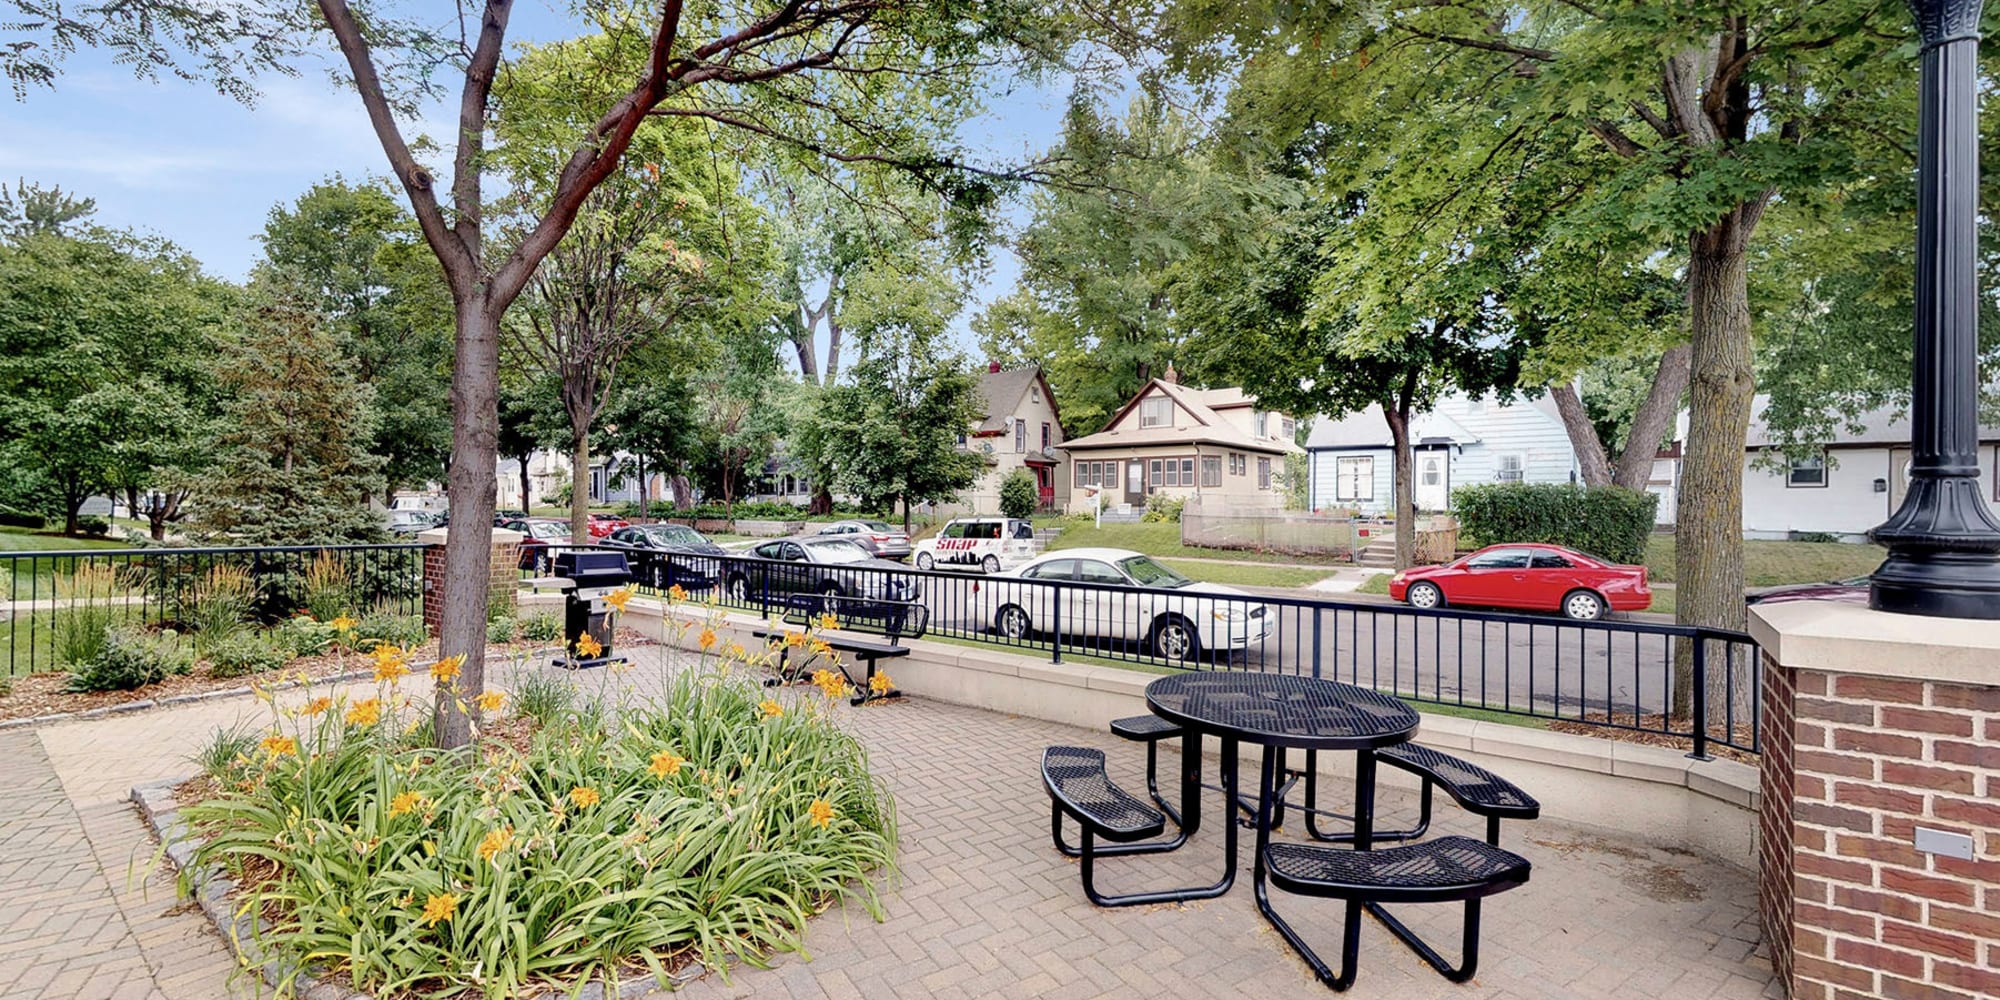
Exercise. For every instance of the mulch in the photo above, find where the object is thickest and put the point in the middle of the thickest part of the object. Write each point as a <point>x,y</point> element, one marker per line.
<point>1596,724</point>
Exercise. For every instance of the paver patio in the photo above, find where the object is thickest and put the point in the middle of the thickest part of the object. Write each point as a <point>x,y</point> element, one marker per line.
<point>981,905</point>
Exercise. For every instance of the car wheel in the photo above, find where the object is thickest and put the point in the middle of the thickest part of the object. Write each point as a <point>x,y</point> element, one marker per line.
<point>924,561</point>
<point>1582,606</point>
<point>1425,595</point>
<point>739,590</point>
<point>990,565</point>
<point>1013,622</point>
<point>1174,639</point>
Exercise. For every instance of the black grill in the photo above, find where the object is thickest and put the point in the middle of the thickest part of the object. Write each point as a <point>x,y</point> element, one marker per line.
<point>591,570</point>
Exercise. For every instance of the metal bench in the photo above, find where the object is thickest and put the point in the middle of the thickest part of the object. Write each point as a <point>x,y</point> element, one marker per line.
<point>1474,788</point>
<point>1447,869</point>
<point>1150,730</point>
<point>1079,787</point>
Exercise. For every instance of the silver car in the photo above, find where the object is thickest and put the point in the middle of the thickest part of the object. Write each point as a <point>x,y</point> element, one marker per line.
<point>882,539</point>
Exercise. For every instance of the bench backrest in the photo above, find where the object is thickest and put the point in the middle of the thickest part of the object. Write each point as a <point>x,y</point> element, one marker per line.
<point>894,620</point>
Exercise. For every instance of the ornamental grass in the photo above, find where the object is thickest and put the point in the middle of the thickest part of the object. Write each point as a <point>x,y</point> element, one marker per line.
<point>618,839</point>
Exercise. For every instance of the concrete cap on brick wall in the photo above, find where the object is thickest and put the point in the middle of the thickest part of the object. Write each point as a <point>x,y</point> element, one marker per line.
<point>1850,639</point>
<point>501,536</point>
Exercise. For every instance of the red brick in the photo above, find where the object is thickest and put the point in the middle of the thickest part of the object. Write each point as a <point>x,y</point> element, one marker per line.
<point>1810,788</point>
<point>1851,712</point>
<point>1986,755</point>
<point>1809,682</point>
<point>1984,982</point>
<point>1860,925</point>
<point>1875,849</point>
<point>1844,765</point>
<point>1808,967</point>
<point>1878,797</point>
<point>1980,925</point>
<point>1851,872</point>
<point>1903,989</point>
<point>1879,689</point>
<point>1929,941</point>
<point>1806,941</point>
<point>1920,721</point>
<point>1928,887</point>
<point>1881,744</point>
<point>1820,814</point>
<point>1869,901</point>
<point>1933,779</point>
<point>1810,839</point>
<point>1973,811</point>
<point>1809,889</point>
<point>1874,956</point>
<point>1978,870</point>
<point>1971,699</point>
<point>1808,734</point>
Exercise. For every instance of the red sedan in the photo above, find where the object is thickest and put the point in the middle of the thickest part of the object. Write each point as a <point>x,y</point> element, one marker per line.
<point>1530,577</point>
<point>602,525</point>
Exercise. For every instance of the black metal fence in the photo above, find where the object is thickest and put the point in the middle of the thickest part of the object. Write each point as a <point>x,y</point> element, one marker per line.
<point>57,601</point>
<point>1696,683</point>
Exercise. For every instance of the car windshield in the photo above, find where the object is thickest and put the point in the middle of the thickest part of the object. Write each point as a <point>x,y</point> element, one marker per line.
<point>674,534</point>
<point>1147,573</point>
<point>835,550</point>
<point>544,529</point>
<point>881,526</point>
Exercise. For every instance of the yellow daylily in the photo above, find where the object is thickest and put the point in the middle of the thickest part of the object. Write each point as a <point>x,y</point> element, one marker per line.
<point>279,746</point>
<point>405,802</point>
<point>446,669</point>
<point>584,797</point>
<point>438,909</point>
<point>617,598</point>
<point>771,709</point>
<point>491,701</point>
<point>588,647</point>
<point>666,762</point>
<point>365,713</point>
<point>317,706</point>
<point>494,842</point>
<point>820,813</point>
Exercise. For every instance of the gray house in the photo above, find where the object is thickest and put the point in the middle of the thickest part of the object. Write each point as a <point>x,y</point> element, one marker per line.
<point>1461,441</point>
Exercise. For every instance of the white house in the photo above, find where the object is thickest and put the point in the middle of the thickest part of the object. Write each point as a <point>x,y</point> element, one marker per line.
<point>1463,440</point>
<point>1218,445</point>
<point>1019,427</point>
<point>1846,487</point>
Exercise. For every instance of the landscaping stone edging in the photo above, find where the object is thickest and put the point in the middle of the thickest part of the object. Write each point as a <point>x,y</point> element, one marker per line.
<point>211,890</point>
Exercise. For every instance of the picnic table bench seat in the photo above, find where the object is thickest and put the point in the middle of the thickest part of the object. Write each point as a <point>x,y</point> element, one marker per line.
<point>1474,788</point>
<point>1150,729</point>
<point>1079,787</point>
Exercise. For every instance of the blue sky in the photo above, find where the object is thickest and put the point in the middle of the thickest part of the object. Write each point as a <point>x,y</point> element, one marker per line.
<point>180,161</point>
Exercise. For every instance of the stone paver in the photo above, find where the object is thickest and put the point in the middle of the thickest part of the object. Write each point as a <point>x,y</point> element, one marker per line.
<point>980,904</point>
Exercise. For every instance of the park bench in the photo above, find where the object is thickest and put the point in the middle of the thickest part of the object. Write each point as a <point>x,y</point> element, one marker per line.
<point>894,620</point>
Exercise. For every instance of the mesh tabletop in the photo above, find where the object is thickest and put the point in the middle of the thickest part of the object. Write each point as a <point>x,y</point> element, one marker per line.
<point>1282,710</point>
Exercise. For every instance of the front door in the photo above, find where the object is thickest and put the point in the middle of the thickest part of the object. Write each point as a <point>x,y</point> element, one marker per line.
<point>1135,482</point>
<point>1899,478</point>
<point>1433,480</point>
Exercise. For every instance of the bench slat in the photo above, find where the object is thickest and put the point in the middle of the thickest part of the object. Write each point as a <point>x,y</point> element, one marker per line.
<point>1471,786</point>
<point>1448,868</point>
<point>1077,783</point>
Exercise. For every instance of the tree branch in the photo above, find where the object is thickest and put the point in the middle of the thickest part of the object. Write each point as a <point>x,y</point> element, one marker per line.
<point>1615,137</point>
<point>472,100</point>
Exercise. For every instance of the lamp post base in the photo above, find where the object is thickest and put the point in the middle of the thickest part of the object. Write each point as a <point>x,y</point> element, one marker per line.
<point>1944,553</point>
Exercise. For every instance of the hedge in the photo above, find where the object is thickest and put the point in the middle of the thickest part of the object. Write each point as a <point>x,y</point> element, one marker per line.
<point>1608,521</point>
<point>12,518</point>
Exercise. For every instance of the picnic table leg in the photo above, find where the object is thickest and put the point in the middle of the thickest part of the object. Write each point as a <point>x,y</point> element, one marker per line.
<point>1351,932</point>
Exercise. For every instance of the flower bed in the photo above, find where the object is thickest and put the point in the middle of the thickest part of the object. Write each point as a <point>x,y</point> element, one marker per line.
<point>578,838</point>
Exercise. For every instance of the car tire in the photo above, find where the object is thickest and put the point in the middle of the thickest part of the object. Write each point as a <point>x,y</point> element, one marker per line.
<point>1174,639</point>
<point>1424,595</point>
<point>925,562</point>
<point>738,589</point>
<point>1583,606</point>
<point>990,565</point>
<point>1013,622</point>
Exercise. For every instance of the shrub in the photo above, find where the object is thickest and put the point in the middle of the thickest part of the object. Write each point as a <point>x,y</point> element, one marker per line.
<point>1609,521</point>
<point>227,753</point>
<point>394,629</point>
<point>543,698</point>
<point>222,604</point>
<point>500,631</point>
<point>543,627</point>
<point>94,526</point>
<point>131,658</point>
<point>1019,495</point>
<point>329,588</point>
<point>15,518</point>
<point>1161,508</point>
<point>303,636</point>
<point>246,653</point>
<point>80,622</point>
<point>698,822</point>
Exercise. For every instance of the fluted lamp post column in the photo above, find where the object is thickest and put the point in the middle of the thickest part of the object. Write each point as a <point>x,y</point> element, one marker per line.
<point>1944,542</point>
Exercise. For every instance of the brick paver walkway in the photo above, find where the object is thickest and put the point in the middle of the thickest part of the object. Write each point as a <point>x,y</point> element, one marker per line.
<point>980,905</point>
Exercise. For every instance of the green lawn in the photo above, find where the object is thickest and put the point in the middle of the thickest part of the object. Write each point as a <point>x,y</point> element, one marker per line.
<point>1164,540</point>
<point>1246,576</point>
<point>1767,564</point>
<point>22,540</point>
<point>1377,584</point>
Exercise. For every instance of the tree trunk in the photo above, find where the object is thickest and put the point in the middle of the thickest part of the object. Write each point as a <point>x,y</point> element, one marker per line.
<point>822,500</point>
<point>808,366</point>
<point>683,491</point>
<point>645,509</point>
<point>1398,418</point>
<point>579,493</point>
<point>906,515</point>
<point>1654,419</point>
<point>527,499</point>
<point>468,548</point>
<point>832,342</point>
<point>1708,542</point>
<point>1582,435</point>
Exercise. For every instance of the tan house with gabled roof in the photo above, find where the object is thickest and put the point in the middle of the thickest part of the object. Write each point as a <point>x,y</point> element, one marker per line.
<point>1172,439</point>
<point>1019,428</point>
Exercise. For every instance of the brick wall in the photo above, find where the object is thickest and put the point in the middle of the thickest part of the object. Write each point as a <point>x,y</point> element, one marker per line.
<point>501,582</point>
<point>1774,825</point>
<point>1872,759</point>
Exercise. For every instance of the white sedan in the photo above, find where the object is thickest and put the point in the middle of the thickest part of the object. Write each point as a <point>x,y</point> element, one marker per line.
<point>1116,594</point>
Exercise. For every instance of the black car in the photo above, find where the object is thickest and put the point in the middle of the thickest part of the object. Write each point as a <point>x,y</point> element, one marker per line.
<point>841,573</point>
<point>663,555</point>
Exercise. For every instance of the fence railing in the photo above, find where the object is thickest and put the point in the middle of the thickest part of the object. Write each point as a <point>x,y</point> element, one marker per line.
<point>1695,683</point>
<point>58,599</point>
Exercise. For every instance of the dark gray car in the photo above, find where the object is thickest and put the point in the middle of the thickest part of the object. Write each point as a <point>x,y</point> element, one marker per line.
<point>663,555</point>
<point>840,572</point>
<point>882,539</point>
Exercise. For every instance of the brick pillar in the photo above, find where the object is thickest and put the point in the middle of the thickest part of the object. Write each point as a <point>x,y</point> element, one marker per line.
<point>503,573</point>
<point>1878,727</point>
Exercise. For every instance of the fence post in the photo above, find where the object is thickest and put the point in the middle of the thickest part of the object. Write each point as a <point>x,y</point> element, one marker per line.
<point>1055,647</point>
<point>1700,698</point>
<point>1316,610</point>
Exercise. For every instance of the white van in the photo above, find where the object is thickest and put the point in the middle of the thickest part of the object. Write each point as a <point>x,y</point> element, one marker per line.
<point>989,544</point>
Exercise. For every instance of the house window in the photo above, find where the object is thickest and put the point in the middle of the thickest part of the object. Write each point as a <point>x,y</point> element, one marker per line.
<point>1807,471</point>
<point>1509,469</point>
<point>1045,436</point>
<point>1237,465</point>
<point>1035,393</point>
<point>1262,421</point>
<point>1288,428</point>
<point>1156,411</point>
<point>1187,472</point>
<point>1155,480</point>
<point>1211,470</point>
<point>1354,477</point>
<point>1263,473</point>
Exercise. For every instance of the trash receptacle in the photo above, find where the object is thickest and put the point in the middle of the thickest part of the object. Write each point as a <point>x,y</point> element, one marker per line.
<point>591,574</point>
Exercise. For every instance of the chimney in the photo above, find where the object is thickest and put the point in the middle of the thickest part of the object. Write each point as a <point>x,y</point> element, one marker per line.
<point>1171,375</point>
<point>993,367</point>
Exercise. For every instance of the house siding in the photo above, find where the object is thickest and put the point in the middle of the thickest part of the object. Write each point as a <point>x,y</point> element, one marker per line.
<point>984,496</point>
<point>1848,504</point>
<point>1235,493</point>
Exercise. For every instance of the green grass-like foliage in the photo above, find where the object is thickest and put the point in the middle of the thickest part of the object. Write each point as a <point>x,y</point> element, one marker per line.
<point>246,652</point>
<point>500,631</point>
<point>402,870</point>
<point>131,658</point>
<point>1608,521</point>
<point>542,627</point>
<point>394,629</point>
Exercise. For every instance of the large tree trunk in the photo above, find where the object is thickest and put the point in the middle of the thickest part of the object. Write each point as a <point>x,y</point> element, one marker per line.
<point>822,499</point>
<point>832,342</point>
<point>1708,542</point>
<point>1398,418</point>
<point>468,547</point>
<point>1654,418</point>
<point>527,500</point>
<point>683,491</point>
<point>579,493</point>
<point>1582,435</point>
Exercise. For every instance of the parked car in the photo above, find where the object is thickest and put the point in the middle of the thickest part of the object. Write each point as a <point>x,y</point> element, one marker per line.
<point>1528,577</point>
<point>989,544</point>
<point>1117,598</point>
<point>842,573</point>
<point>1853,590</point>
<point>408,521</point>
<point>539,533</point>
<point>663,555</point>
<point>882,539</point>
<point>602,525</point>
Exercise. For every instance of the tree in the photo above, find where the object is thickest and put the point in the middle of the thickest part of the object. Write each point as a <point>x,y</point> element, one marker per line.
<point>1018,495</point>
<point>652,417</point>
<point>33,210</point>
<point>739,421</point>
<point>223,44</point>
<point>806,74</point>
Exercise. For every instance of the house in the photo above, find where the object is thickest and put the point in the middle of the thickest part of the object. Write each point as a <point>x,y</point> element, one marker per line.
<point>1019,427</point>
<point>1461,441</point>
<point>1184,442</point>
<point>1849,485</point>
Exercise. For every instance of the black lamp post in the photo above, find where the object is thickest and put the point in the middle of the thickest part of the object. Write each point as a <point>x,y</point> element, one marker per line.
<point>1944,542</point>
